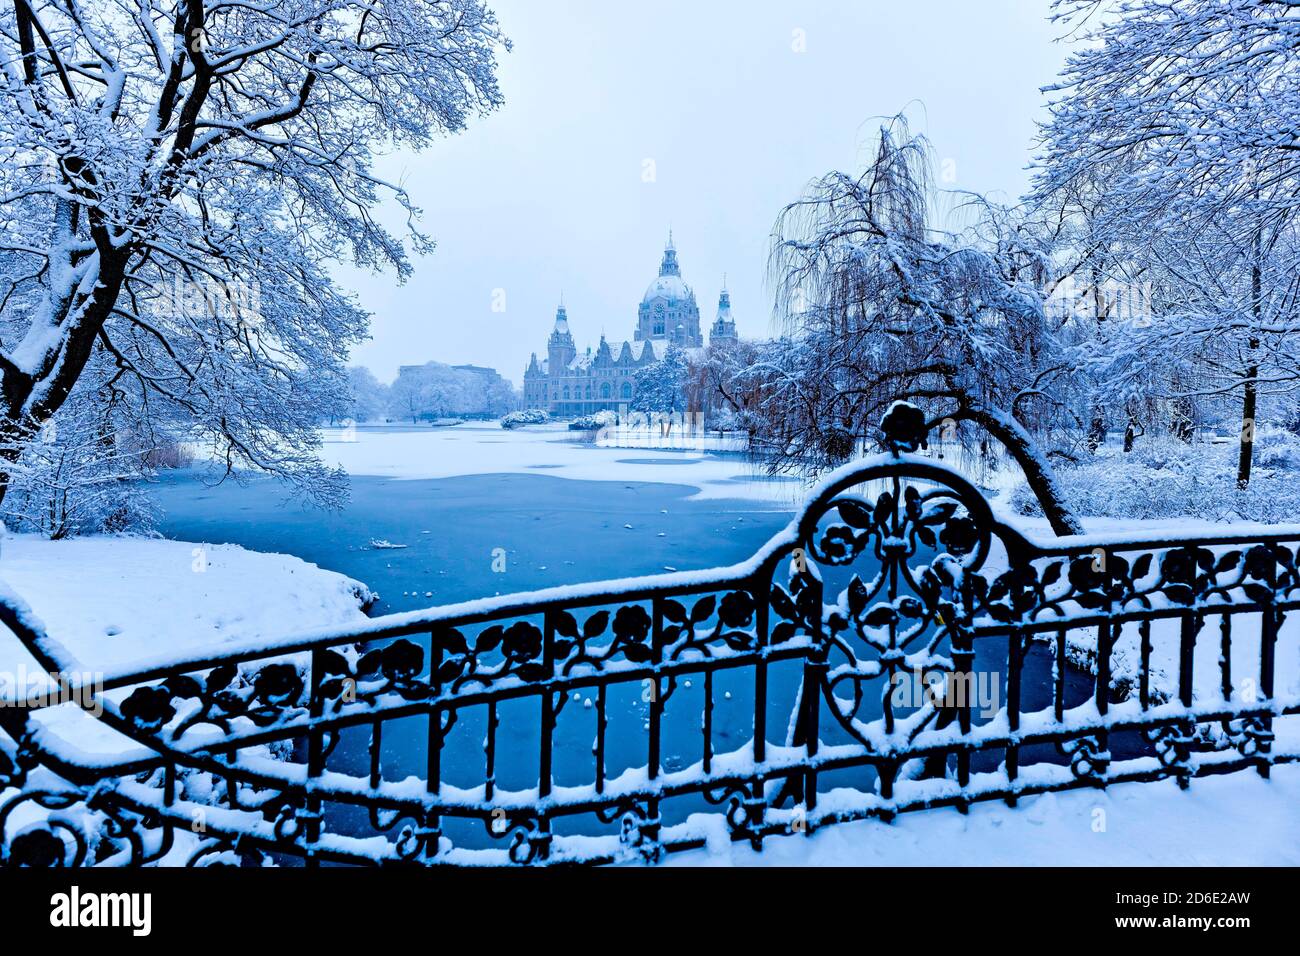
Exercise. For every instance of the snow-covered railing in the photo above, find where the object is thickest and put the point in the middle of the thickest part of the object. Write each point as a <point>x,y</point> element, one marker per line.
<point>895,648</point>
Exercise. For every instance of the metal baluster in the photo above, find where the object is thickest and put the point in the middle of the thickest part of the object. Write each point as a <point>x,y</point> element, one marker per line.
<point>760,679</point>
<point>1267,646</point>
<point>760,695</point>
<point>433,778</point>
<point>651,830</point>
<point>1144,668</point>
<point>315,760</point>
<point>376,744</point>
<point>708,721</point>
<point>1225,655</point>
<point>601,724</point>
<point>1058,677</point>
<point>810,698</point>
<point>547,739</point>
<point>1106,636</point>
<point>490,753</point>
<point>813,671</point>
<point>963,653</point>
<point>1186,655</point>
<point>1016,642</point>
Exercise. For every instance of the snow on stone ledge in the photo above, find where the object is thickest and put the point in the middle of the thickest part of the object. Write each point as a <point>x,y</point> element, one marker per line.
<point>115,601</point>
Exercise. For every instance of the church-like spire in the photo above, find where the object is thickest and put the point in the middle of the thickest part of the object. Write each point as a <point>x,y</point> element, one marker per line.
<point>724,326</point>
<point>669,266</point>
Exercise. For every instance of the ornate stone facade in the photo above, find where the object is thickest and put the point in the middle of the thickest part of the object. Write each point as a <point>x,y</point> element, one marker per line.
<point>567,383</point>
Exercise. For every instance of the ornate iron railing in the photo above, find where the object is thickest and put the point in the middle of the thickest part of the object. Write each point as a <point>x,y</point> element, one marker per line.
<point>829,678</point>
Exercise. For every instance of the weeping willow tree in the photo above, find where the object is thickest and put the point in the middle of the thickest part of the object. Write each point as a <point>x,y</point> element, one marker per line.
<point>877,305</point>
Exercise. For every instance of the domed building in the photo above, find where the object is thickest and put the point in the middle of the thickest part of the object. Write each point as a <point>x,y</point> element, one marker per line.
<point>568,384</point>
<point>668,311</point>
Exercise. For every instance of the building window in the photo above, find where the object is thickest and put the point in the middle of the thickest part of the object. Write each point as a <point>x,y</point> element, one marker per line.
<point>566,393</point>
<point>627,389</point>
<point>604,390</point>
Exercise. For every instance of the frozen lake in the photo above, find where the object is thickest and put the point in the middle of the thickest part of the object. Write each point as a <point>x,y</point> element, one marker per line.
<point>562,513</point>
<point>537,498</point>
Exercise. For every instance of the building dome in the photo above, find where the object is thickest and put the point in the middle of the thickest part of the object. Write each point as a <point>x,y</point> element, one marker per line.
<point>670,287</point>
<point>668,284</point>
<point>668,311</point>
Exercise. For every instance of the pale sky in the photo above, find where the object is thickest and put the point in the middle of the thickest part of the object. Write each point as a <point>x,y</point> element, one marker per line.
<point>737,104</point>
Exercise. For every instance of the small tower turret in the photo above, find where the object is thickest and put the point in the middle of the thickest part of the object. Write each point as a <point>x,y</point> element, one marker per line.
<point>724,326</point>
<point>560,349</point>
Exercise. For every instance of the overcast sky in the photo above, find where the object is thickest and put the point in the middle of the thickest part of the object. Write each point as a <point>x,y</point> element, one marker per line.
<point>625,119</point>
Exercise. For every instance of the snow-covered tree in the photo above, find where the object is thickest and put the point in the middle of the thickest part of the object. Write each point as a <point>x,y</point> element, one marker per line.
<point>435,390</point>
<point>176,177</point>
<point>880,306</point>
<point>500,397</point>
<point>661,385</point>
<point>369,399</point>
<point>1192,107</point>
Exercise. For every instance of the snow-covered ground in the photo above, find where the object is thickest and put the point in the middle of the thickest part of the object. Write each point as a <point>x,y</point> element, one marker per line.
<point>1234,820</point>
<point>487,449</point>
<point>109,602</point>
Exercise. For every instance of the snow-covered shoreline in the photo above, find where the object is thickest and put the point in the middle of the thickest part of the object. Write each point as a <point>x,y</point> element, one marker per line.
<point>110,602</point>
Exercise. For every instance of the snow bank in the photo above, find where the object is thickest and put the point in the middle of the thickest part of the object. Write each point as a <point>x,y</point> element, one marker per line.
<point>1234,820</point>
<point>112,602</point>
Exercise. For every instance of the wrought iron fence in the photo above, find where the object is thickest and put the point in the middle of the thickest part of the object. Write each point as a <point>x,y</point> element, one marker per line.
<point>830,678</point>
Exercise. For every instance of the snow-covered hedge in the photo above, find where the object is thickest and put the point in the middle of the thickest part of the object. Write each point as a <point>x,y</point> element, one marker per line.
<point>527,416</point>
<point>1166,478</point>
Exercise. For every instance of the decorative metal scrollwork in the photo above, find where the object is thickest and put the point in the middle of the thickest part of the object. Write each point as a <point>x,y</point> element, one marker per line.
<point>1088,758</point>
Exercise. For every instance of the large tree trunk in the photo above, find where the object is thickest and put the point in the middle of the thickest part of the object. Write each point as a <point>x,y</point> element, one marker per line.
<point>30,398</point>
<point>1038,472</point>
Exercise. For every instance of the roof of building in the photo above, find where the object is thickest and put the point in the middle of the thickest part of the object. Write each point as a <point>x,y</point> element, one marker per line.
<point>669,285</point>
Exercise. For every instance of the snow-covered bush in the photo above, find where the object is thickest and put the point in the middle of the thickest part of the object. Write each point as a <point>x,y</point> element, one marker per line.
<point>727,419</point>
<point>527,416</point>
<point>82,474</point>
<point>1166,478</point>
<point>595,422</point>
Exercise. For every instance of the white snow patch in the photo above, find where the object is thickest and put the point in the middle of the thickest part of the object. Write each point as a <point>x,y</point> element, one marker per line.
<point>116,602</point>
<point>1235,820</point>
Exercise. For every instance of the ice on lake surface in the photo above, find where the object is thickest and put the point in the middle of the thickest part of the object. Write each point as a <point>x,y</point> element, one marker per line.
<point>443,501</point>
<point>711,467</point>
